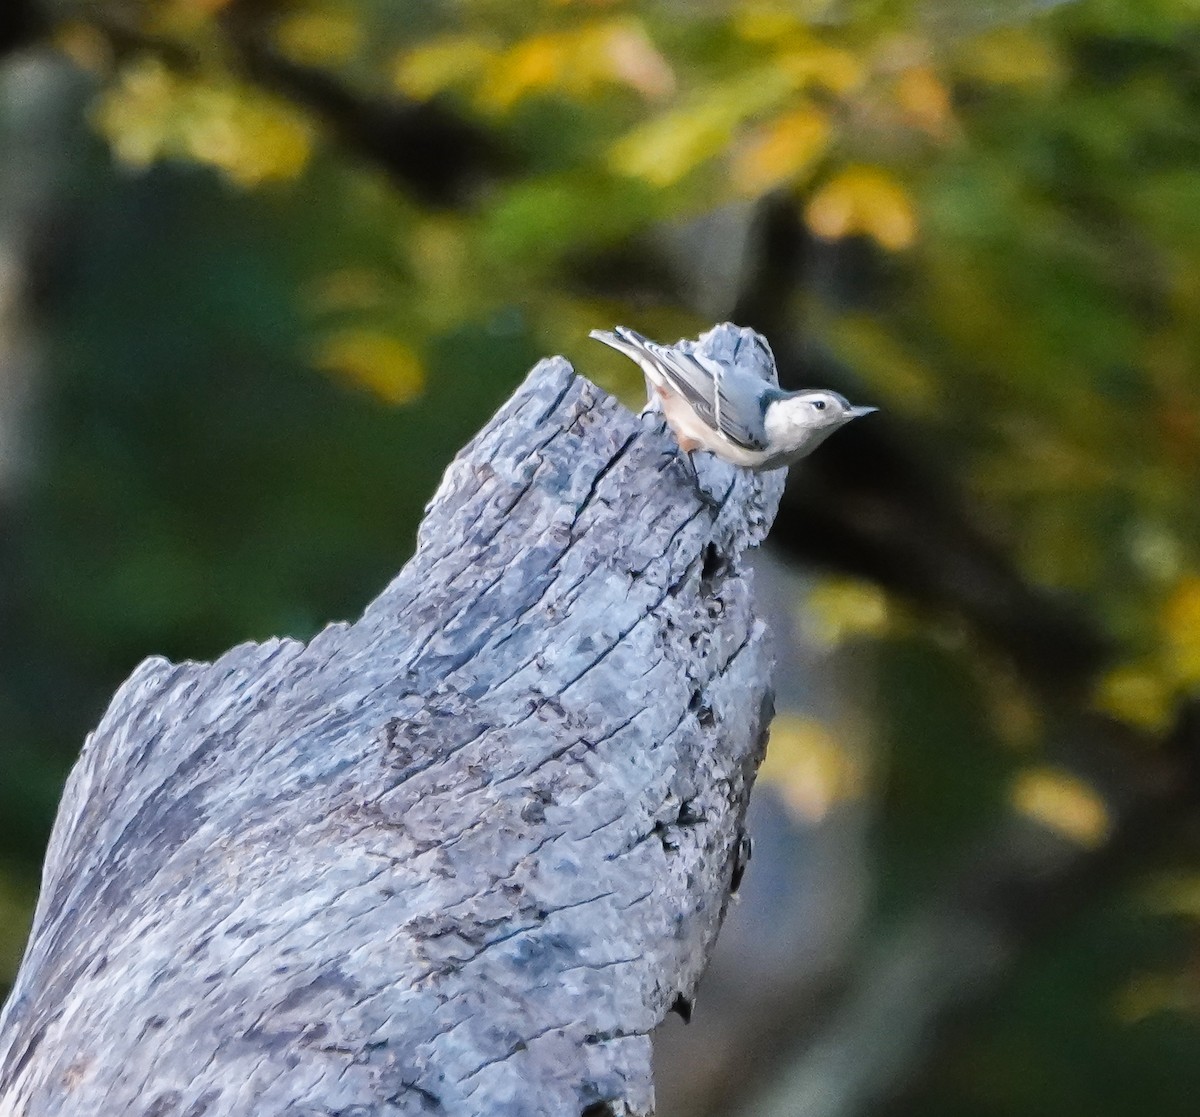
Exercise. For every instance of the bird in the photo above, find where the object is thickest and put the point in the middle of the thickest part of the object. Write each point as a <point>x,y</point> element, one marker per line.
<point>721,393</point>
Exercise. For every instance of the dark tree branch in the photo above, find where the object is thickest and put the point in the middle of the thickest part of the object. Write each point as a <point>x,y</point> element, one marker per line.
<point>460,856</point>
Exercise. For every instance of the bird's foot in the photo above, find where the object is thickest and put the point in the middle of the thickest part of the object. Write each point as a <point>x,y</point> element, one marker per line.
<point>694,475</point>
<point>688,465</point>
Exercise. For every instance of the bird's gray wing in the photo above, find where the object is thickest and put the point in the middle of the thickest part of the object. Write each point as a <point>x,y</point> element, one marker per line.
<point>728,400</point>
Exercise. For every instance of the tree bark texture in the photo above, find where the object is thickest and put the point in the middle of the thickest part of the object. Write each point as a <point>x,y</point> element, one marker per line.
<point>460,856</point>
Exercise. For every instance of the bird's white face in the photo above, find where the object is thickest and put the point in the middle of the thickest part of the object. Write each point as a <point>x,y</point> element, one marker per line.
<point>801,421</point>
<point>820,409</point>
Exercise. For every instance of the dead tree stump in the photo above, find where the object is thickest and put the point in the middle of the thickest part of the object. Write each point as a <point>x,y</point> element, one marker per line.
<point>458,857</point>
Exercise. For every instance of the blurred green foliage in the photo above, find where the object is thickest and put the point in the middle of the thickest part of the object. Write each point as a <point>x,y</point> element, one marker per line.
<point>261,354</point>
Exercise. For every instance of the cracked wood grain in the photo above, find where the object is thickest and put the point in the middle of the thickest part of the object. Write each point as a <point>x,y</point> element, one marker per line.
<point>460,856</point>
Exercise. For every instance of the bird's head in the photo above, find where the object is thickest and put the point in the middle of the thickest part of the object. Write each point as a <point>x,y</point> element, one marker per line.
<point>801,421</point>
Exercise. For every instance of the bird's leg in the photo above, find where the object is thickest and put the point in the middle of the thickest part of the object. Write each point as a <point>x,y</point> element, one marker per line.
<point>705,495</point>
<point>685,458</point>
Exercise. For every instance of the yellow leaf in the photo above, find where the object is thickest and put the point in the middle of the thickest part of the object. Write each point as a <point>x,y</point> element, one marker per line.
<point>319,37</point>
<point>832,213</point>
<point>1011,56</point>
<point>578,61</point>
<point>136,115</point>
<point>766,22</point>
<point>668,148</point>
<point>377,361</point>
<point>781,150</point>
<point>665,149</point>
<point>812,771</point>
<point>151,113</point>
<point>924,100</point>
<point>864,200</point>
<point>839,609</point>
<point>818,64</point>
<point>1137,694</point>
<point>773,22</point>
<point>536,63</point>
<point>439,64</point>
<point>251,140</point>
<point>1063,803</point>
<point>1179,622</point>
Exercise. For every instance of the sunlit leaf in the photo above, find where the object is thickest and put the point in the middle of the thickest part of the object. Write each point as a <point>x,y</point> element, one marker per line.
<point>441,64</point>
<point>153,113</point>
<point>138,116</point>
<point>1016,716</point>
<point>1063,803</point>
<point>667,148</point>
<point>771,21</point>
<point>440,250</point>
<point>537,63</point>
<point>1014,56</point>
<point>811,769</point>
<point>817,65</point>
<point>324,36</point>
<point>781,150</point>
<point>925,100</point>
<point>578,62</point>
<point>377,361</point>
<point>839,609</point>
<point>1156,551</point>
<point>253,140</point>
<point>865,201</point>
<point>172,18</point>
<point>1179,621</point>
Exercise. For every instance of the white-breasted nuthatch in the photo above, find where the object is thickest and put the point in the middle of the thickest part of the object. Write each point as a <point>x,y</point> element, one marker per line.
<point>721,393</point>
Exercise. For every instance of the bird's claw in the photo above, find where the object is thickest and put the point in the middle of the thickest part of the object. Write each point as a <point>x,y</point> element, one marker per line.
<point>694,476</point>
<point>684,457</point>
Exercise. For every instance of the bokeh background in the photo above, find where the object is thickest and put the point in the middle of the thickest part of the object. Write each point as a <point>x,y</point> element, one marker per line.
<point>266,264</point>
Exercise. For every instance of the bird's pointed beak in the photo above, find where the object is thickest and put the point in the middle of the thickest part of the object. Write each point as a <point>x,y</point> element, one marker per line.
<point>859,412</point>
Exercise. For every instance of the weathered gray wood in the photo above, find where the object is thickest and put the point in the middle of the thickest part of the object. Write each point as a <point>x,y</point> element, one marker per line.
<point>458,857</point>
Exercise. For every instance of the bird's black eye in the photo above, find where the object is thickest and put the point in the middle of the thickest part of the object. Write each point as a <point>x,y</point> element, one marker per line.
<point>819,404</point>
